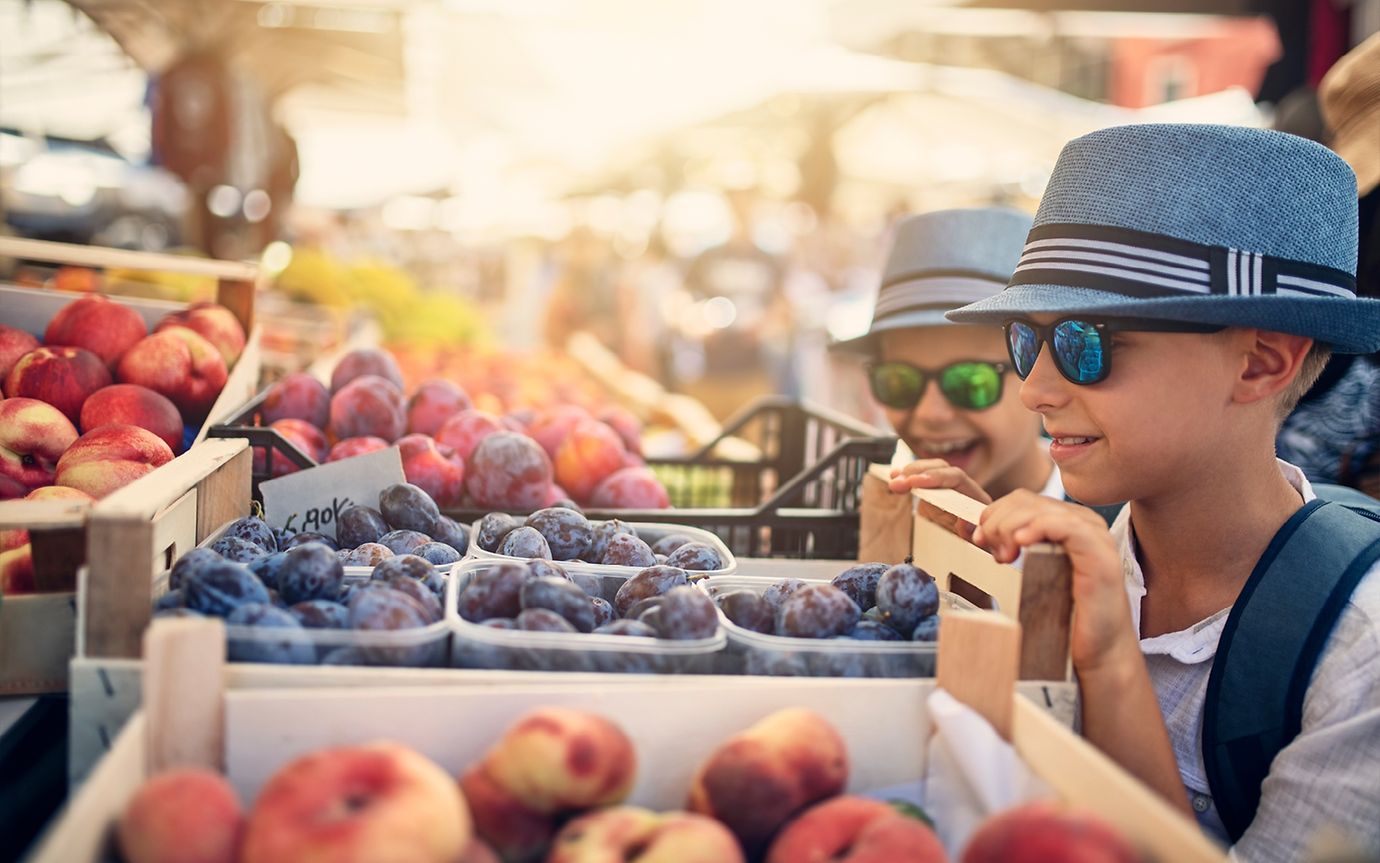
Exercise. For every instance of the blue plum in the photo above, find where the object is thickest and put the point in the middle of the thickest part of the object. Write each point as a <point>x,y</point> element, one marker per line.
<point>311,571</point>
<point>281,638</point>
<point>219,588</point>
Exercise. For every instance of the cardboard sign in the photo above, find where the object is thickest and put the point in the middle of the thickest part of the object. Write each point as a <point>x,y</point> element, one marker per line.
<point>312,500</point>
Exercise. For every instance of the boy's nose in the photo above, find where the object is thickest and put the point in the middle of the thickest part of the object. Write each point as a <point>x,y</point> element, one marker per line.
<point>933,409</point>
<point>1044,388</point>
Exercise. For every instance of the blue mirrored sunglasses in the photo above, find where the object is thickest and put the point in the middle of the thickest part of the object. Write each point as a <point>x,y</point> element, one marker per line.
<point>1082,349</point>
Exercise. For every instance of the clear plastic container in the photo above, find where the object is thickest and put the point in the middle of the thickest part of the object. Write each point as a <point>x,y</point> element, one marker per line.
<point>475,646</point>
<point>781,656</point>
<point>649,532</point>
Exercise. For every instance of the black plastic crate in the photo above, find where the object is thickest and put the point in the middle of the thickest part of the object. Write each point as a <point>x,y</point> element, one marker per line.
<point>797,497</point>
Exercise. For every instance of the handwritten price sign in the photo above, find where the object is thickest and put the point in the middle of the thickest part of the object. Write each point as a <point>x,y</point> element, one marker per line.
<point>312,500</point>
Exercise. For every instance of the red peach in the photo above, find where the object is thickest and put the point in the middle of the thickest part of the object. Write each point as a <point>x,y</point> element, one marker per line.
<point>368,406</point>
<point>33,436</point>
<point>590,453</point>
<point>629,429</point>
<point>1043,831</point>
<point>636,835</point>
<point>479,852</point>
<point>305,436</point>
<point>855,830</point>
<point>357,804</point>
<point>434,402</point>
<point>101,326</point>
<point>185,815</point>
<point>466,429</point>
<point>214,323</point>
<point>366,361</point>
<point>515,831</point>
<point>137,406</point>
<point>298,396</point>
<point>556,760</point>
<point>630,488</point>
<point>551,426</point>
<point>111,457</point>
<point>64,377</point>
<point>13,345</point>
<point>17,571</point>
<point>508,471</point>
<point>433,467</point>
<point>179,364</point>
<point>353,446</point>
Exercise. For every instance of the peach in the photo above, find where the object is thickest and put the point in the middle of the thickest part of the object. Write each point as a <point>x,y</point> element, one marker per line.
<point>16,537</point>
<point>628,427</point>
<point>298,396</point>
<point>514,830</point>
<point>855,830</point>
<point>759,779</point>
<point>178,363</point>
<point>14,344</point>
<point>17,570</point>
<point>635,835</point>
<point>433,467</point>
<point>214,323</point>
<point>111,457</point>
<point>64,377</point>
<point>101,326</point>
<point>1044,831</point>
<point>137,406</point>
<point>305,436</point>
<point>479,852</point>
<point>466,429</point>
<point>185,815</point>
<point>380,801</point>
<point>434,402</point>
<point>353,446</point>
<point>33,436</point>
<point>551,426</point>
<point>366,361</point>
<point>630,488</point>
<point>368,406</point>
<point>590,453</point>
<point>557,760</point>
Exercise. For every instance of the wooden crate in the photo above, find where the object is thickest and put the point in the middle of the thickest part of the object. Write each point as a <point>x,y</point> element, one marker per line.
<point>37,631</point>
<point>192,717</point>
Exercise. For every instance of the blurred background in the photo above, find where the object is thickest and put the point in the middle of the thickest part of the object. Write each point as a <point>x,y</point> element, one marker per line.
<point>704,187</point>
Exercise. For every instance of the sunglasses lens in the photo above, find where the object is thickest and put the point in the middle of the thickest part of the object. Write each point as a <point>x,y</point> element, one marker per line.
<point>896,385</point>
<point>971,386</point>
<point>1024,345</point>
<point>1079,350</point>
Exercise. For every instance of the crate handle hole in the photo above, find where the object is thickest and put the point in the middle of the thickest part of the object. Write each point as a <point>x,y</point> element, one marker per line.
<point>971,592</point>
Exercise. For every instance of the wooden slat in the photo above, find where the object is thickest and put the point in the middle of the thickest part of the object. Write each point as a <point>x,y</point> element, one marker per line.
<point>224,495</point>
<point>58,554</point>
<point>184,694</point>
<point>117,598</point>
<point>886,520</point>
<point>41,514</point>
<point>36,634</point>
<point>150,493</point>
<point>978,658</point>
<point>1046,612</point>
<point>101,258</point>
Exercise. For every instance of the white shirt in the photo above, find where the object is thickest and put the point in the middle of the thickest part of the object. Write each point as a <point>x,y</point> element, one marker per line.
<point>1329,776</point>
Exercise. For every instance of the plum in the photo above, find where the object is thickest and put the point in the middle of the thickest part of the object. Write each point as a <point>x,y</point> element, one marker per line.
<point>255,530</point>
<point>404,566</point>
<point>525,542</point>
<point>590,584</point>
<point>297,396</point>
<point>817,611</point>
<point>560,596</point>
<point>287,644</point>
<point>349,655</point>
<point>500,623</point>
<point>269,568</point>
<point>748,610</point>
<point>369,554</point>
<point>906,595</point>
<point>627,550</point>
<point>238,550</point>
<point>170,599</point>
<point>543,620</point>
<point>603,611</point>
<point>603,532</point>
<point>669,543</point>
<point>547,569</point>
<point>634,628</point>
<point>368,406</point>
<point>365,361</point>
<point>437,553</point>
<point>509,470</point>
<point>310,571</point>
<point>871,630</point>
<point>219,588</point>
<point>321,614</point>
<point>696,557</point>
<point>687,614</point>
<point>450,532</point>
<point>567,532</point>
<point>494,592</point>
<point>192,560</point>
<point>381,607</point>
<point>358,525</point>
<point>305,537</point>
<point>860,582</point>
<point>927,629</point>
<point>630,488</point>
<point>403,541</point>
<point>424,596</point>
<point>493,528</point>
<point>407,507</point>
<point>775,595</point>
<point>640,608</point>
<point>652,581</point>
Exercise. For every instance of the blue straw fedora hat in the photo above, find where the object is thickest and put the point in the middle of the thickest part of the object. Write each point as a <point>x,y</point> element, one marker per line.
<point>940,261</point>
<point>1195,223</point>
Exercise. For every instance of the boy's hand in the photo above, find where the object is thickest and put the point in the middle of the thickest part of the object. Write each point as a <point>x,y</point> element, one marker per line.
<point>935,473</point>
<point>1102,635</point>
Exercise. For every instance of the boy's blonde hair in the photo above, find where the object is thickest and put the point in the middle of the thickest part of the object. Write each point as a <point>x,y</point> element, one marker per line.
<point>1309,371</point>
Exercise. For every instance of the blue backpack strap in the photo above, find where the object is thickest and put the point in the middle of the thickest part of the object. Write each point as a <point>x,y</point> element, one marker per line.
<point>1274,635</point>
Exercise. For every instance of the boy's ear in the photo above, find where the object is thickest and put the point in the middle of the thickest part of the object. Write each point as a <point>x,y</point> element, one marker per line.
<point>1272,361</point>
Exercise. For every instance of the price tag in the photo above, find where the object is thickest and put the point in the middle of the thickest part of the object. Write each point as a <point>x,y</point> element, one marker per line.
<point>312,499</point>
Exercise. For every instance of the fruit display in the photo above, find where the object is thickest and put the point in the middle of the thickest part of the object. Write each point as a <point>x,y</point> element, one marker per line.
<point>300,599</point>
<point>539,615</point>
<point>564,533</point>
<point>871,620</point>
<point>462,449</point>
<point>559,785</point>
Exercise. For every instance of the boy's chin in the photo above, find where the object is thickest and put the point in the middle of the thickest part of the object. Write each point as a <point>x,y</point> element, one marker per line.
<point>1092,493</point>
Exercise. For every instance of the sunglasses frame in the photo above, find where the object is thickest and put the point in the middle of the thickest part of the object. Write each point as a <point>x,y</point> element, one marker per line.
<point>1106,327</point>
<point>928,375</point>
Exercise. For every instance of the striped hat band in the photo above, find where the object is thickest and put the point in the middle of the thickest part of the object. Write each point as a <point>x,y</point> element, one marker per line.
<point>933,289</point>
<point>1145,265</point>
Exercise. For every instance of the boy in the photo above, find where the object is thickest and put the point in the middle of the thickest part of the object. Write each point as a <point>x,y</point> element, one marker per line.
<point>947,389</point>
<point>1180,290</point>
